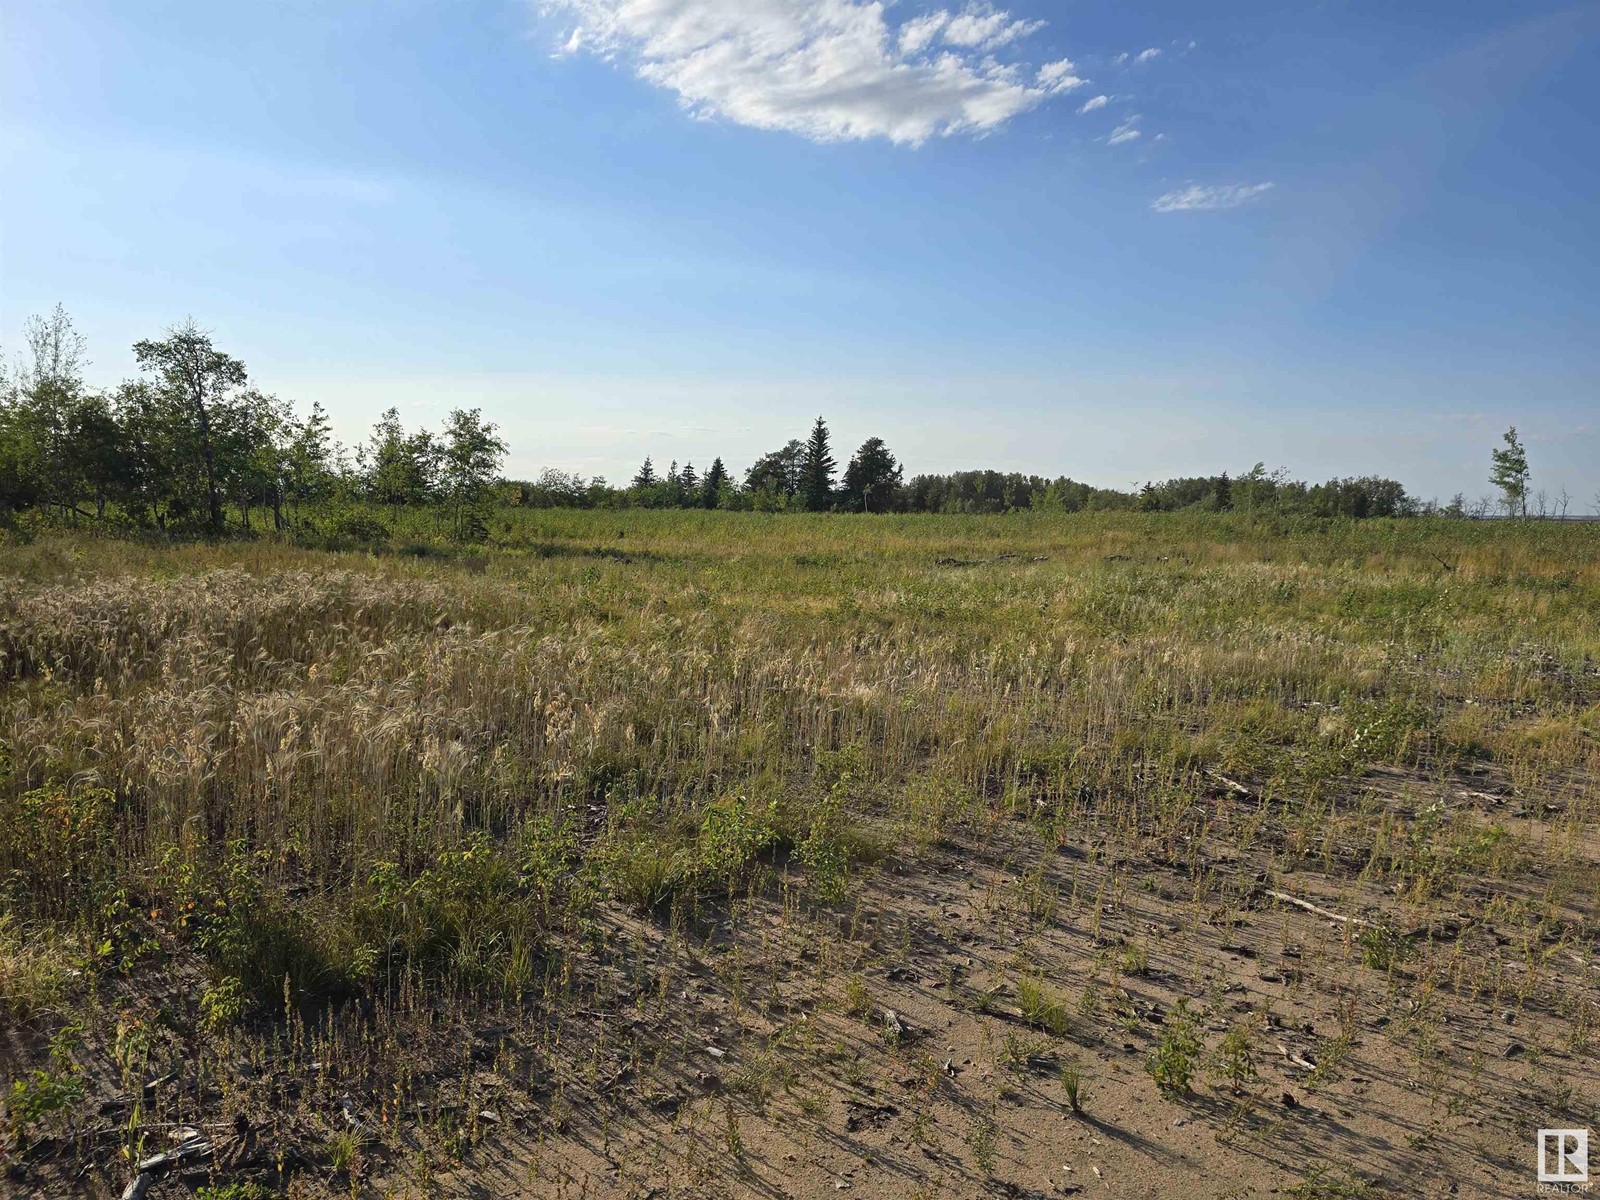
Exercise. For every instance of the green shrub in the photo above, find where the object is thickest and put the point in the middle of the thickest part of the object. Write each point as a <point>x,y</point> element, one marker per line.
<point>223,1004</point>
<point>1173,1063</point>
<point>57,848</point>
<point>357,527</point>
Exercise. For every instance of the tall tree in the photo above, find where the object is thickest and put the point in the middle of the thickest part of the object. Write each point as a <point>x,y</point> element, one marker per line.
<point>200,384</point>
<point>311,458</point>
<point>257,454</point>
<point>1222,493</point>
<point>1510,474</point>
<point>470,456</point>
<point>399,466</point>
<point>646,477</point>
<point>872,479</point>
<point>775,478</point>
<point>816,470</point>
<point>43,405</point>
<point>711,486</point>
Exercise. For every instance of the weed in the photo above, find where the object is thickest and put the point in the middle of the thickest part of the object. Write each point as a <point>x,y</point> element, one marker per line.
<point>1236,1058</point>
<point>1172,1064</point>
<point>1070,1073</point>
<point>1039,1006</point>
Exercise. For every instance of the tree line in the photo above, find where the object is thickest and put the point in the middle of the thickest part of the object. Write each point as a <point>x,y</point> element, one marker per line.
<point>192,446</point>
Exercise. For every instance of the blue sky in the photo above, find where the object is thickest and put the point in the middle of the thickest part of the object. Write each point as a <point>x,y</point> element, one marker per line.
<point>1339,237</point>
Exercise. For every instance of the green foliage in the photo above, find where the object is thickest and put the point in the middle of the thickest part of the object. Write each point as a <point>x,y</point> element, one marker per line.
<point>238,1190</point>
<point>816,470</point>
<point>223,1004</point>
<point>732,832</point>
<point>39,1095</point>
<point>823,851</point>
<point>1382,947</point>
<point>1070,1074</point>
<point>56,850</point>
<point>474,913</point>
<point>1040,1007</point>
<point>983,1139</point>
<point>357,526</point>
<point>1236,1058</point>
<point>1510,474</point>
<point>46,1091</point>
<point>1172,1064</point>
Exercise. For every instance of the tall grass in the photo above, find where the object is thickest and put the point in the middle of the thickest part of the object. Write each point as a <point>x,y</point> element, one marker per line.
<point>404,766</point>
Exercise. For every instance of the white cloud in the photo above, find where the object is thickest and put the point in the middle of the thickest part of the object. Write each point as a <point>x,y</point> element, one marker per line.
<point>986,28</point>
<point>1094,102</point>
<point>1203,198</point>
<point>828,70</point>
<point>1145,56</point>
<point>917,33</point>
<point>1058,77</point>
<point>1125,132</point>
<point>1120,59</point>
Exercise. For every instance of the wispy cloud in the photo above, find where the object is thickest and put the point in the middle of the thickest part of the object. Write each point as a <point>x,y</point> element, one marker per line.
<point>1093,103</point>
<point>829,70</point>
<point>1126,132</point>
<point>1145,56</point>
<point>1203,198</point>
<point>1058,77</point>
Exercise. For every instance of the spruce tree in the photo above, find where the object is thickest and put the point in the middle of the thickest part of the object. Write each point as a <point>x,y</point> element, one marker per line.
<point>646,476</point>
<point>816,470</point>
<point>711,485</point>
<point>872,478</point>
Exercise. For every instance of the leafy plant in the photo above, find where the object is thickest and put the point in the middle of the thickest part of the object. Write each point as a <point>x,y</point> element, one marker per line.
<point>1172,1064</point>
<point>1235,1058</point>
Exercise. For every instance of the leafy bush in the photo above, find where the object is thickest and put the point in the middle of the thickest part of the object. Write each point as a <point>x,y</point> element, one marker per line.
<point>357,527</point>
<point>1173,1063</point>
<point>57,846</point>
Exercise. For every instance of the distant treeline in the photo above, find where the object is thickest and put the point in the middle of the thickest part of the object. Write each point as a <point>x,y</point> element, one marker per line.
<point>191,446</point>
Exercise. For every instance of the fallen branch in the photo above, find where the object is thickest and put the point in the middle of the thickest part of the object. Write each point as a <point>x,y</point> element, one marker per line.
<point>1285,898</point>
<point>1305,1064</point>
<point>158,1164</point>
<point>1233,785</point>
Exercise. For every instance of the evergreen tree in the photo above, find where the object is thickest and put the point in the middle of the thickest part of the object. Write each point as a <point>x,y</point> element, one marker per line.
<point>872,479</point>
<point>1510,474</point>
<point>1223,493</point>
<point>816,470</point>
<point>646,478</point>
<point>689,487</point>
<point>711,486</point>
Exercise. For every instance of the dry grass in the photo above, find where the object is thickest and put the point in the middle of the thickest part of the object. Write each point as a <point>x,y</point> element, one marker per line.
<point>324,834</point>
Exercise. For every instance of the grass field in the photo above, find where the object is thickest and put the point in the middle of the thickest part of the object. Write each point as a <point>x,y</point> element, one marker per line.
<point>658,854</point>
